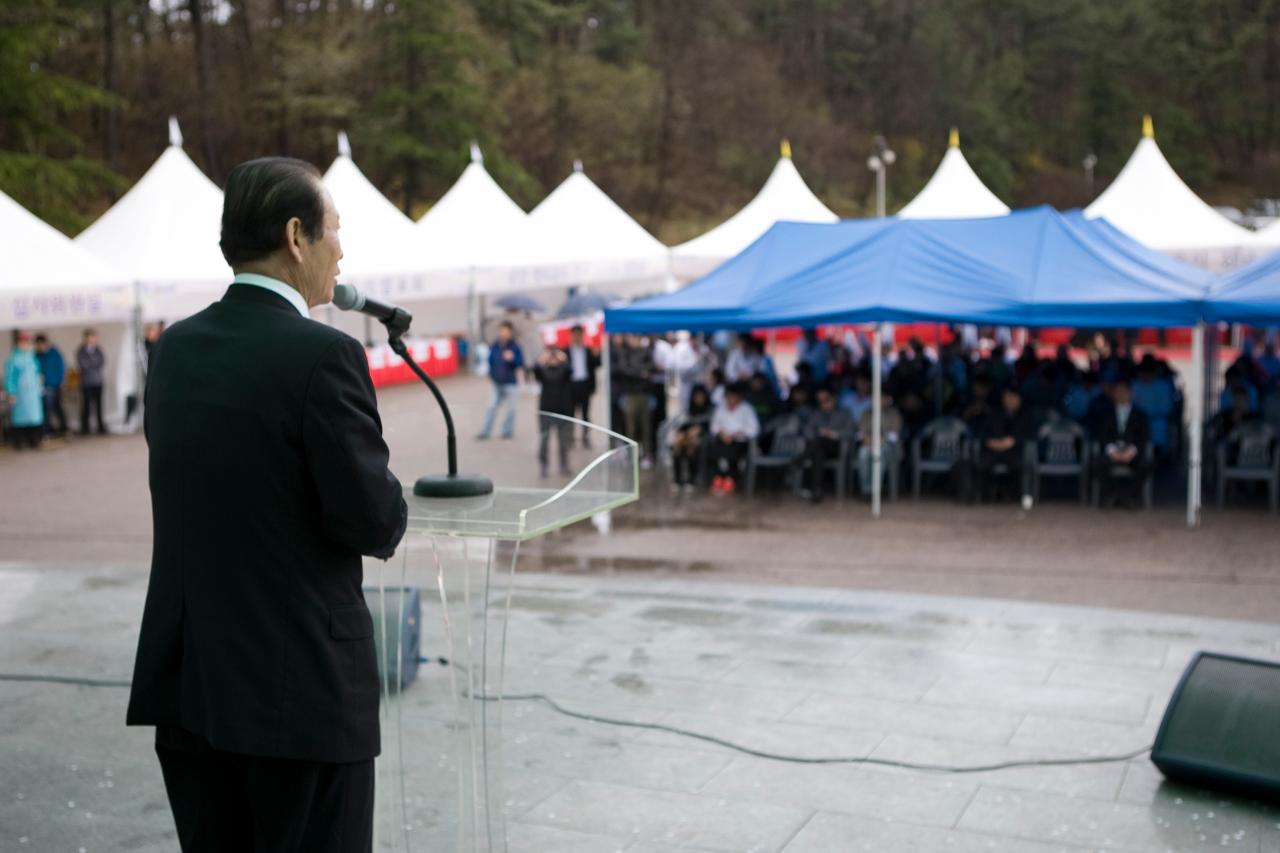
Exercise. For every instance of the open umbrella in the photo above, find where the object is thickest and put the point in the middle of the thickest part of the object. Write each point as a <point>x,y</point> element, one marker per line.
<point>585,303</point>
<point>519,302</point>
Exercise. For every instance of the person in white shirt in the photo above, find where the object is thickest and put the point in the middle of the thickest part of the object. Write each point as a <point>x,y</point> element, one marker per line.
<point>743,362</point>
<point>583,363</point>
<point>733,427</point>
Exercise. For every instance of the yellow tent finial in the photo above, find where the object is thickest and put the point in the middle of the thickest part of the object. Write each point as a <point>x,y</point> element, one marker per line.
<point>953,141</point>
<point>1148,129</point>
<point>786,150</point>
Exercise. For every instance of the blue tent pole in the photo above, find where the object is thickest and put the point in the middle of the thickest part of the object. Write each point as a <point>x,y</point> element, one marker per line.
<point>1197,420</point>
<point>875,422</point>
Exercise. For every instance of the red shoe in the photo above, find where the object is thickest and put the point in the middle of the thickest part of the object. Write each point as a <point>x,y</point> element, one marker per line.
<point>717,485</point>
<point>729,485</point>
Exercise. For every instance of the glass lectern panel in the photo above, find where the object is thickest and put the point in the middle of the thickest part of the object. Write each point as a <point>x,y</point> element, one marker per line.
<point>440,610</point>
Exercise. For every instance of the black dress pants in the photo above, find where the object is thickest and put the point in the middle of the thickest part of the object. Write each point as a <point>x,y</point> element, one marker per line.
<point>229,803</point>
<point>91,404</point>
<point>581,395</point>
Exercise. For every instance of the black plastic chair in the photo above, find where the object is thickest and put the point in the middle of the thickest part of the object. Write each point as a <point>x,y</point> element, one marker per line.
<point>1148,490</point>
<point>1255,459</point>
<point>1061,450</point>
<point>786,451</point>
<point>942,444</point>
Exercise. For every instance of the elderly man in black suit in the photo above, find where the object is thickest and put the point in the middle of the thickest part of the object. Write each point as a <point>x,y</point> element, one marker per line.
<point>1124,432</point>
<point>269,480</point>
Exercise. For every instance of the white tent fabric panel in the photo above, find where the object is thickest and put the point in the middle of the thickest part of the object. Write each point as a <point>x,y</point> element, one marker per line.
<point>784,197</point>
<point>1269,237</point>
<point>954,192</point>
<point>465,228</point>
<point>578,236</point>
<point>1149,202</point>
<point>163,235</point>
<point>48,280</point>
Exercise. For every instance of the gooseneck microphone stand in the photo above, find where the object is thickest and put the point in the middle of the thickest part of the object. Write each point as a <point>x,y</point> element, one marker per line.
<point>452,484</point>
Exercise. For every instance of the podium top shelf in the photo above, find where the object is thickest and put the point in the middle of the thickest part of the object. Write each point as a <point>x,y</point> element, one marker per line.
<point>509,513</point>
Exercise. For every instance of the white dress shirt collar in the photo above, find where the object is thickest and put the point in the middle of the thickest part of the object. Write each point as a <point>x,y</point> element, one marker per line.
<point>277,287</point>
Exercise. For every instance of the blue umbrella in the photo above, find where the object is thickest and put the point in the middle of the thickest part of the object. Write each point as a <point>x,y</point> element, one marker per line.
<point>585,303</point>
<point>519,302</point>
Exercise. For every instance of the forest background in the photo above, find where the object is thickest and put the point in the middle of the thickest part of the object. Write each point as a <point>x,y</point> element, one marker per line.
<point>676,107</point>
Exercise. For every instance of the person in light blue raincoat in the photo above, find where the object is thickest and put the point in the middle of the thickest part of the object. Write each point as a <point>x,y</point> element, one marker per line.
<point>25,390</point>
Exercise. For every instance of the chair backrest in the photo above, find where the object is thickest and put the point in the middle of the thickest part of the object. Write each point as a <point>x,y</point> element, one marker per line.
<point>788,435</point>
<point>1255,442</point>
<point>1061,442</point>
<point>944,439</point>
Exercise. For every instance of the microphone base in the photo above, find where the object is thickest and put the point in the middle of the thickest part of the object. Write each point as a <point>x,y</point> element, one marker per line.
<point>457,486</point>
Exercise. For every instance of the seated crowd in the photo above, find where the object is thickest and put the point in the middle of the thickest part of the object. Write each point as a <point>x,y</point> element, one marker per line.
<point>734,409</point>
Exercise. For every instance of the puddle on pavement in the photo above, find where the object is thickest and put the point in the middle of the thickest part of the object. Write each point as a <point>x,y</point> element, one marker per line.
<point>569,564</point>
<point>738,521</point>
<point>696,616</point>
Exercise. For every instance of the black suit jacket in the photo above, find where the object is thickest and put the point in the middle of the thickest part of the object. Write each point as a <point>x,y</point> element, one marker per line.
<point>269,480</point>
<point>1137,429</point>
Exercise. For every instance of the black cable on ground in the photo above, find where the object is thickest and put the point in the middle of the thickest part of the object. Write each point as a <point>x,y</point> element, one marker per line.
<point>659,727</point>
<point>63,679</point>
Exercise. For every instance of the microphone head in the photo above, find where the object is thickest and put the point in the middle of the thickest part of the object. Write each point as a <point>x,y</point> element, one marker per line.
<point>347,298</point>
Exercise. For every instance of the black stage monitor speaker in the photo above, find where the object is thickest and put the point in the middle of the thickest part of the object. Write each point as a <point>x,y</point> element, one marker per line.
<point>1222,726</point>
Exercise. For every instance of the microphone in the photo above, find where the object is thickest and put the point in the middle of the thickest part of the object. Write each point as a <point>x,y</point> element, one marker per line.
<point>397,320</point>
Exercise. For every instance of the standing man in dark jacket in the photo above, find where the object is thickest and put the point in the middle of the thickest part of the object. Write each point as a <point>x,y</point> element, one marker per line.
<point>553,372</point>
<point>91,361</point>
<point>269,480</point>
<point>54,370</point>
<point>583,363</point>
<point>505,360</point>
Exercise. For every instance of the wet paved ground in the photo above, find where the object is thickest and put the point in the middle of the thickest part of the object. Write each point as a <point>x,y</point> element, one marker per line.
<point>924,636</point>
<point>796,670</point>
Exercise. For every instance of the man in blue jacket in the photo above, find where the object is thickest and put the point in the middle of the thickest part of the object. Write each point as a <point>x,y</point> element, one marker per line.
<point>505,360</point>
<point>54,369</point>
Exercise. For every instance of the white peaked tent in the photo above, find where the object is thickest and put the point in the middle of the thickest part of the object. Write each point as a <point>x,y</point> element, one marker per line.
<point>1269,237</point>
<point>954,192</point>
<point>53,286</point>
<point>1149,202</point>
<point>379,243</point>
<point>48,280</point>
<point>580,236</point>
<point>784,196</point>
<point>462,230</point>
<point>163,235</point>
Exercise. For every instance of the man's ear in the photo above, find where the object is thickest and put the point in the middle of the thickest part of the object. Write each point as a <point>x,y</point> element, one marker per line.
<point>293,238</point>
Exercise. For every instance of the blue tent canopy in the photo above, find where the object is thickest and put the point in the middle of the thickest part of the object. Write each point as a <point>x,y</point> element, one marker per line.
<point>1034,267</point>
<point>1251,294</point>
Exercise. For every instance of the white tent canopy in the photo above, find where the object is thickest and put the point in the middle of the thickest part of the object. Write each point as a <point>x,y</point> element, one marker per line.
<point>48,280</point>
<point>163,235</point>
<point>784,196</point>
<point>954,192</point>
<point>580,236</point>
<point>1149,202</point>
<point>379,243</point>
<point>53,286</point>
<point>1269,237</point>
<point>463,230</point>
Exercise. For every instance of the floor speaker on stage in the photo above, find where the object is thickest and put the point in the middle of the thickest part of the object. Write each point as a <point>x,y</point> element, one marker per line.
<point>397,615</point>
<point>1222,726</point>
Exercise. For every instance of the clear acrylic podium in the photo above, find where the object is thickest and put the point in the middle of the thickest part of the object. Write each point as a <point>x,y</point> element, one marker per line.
<point>440,776</point>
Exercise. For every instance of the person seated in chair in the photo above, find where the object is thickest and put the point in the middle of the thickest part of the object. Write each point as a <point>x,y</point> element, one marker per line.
<point>1005,433</point>
<point>733,427</point>
<point>1122,468</point>
<point>686,440</point>
<point>829,426</point>
<point>1224,422</point>
<point>890,441</point>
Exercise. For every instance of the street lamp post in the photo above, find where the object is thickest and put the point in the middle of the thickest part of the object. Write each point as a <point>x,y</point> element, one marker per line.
<point>1089,162</point>
<point>881,159</point>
